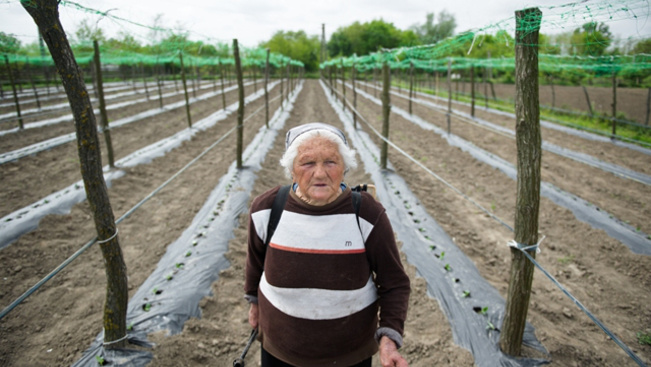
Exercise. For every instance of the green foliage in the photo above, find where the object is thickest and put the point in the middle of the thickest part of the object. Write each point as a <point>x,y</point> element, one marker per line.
<point>644,338</point>
<point>362,39</point>
<point>643,47</point>
<point>297,45</point>
<point>592,39</point>
<point>9,44</point>
<point>431,32</point>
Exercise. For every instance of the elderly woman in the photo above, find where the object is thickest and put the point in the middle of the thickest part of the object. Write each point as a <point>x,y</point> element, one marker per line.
<point>316,288</point>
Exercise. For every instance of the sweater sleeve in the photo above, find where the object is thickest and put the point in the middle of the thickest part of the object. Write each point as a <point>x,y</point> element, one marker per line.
<point>391,280</point>
<point>256,247</point>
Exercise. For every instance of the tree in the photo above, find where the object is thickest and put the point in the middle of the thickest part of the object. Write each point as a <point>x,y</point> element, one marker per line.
<point>9,44</point>
<point>296,45</point>
<point>643,47</point>
<point>430,32</point>
<point>363,39</point>
<point>46,15</point>
<point>86,33</point>
<point>592,39</point>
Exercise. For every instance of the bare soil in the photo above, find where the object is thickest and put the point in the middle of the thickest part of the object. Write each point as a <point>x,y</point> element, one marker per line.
<point>57,323</point>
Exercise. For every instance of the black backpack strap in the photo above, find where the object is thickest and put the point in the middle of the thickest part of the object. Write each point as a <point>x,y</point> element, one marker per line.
<point>357,203</point>
<point>276,211</point>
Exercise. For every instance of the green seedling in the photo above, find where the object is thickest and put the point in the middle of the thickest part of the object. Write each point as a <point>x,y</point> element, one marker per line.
<point>100,360</point>
<point>146,306</point>
<point>179,265</point>
<point>169,277</point>
<point>643,338</point>
<point>447,267</point>
<point>155,290</point>
<point>493,206</point>
<point>442,255</point>
<point>421,230</point>
<point>130,326</point>
<point>484,311</point>
<point>466,294</point>
<point>432,247</point>
<point>195,242</point>
<point>428,238</point>
<point>566,259</point>
<point>187,254</point>
<point>490,326</point>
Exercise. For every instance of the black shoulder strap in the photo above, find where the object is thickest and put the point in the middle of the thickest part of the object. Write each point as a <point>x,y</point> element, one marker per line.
<point>276,211</point>
<point>357,203</point>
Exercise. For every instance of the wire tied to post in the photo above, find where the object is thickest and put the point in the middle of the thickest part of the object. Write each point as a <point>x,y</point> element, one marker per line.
<point>116,341</point>
<point>110,238</point>
<point>523,247</point>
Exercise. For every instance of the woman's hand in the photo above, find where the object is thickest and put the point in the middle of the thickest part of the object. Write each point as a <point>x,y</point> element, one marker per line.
<point>253,316</point>
<point>389,355</point>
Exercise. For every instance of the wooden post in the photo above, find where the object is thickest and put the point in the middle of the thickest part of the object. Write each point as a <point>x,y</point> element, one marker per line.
<point>185,91</point>
<point>31,81</point>
<point>240,108</point>
<point>648,106</point>
<point>375,82</point>
<point>449,114</point>
<point>45,14</point>
<point>551,83</point>
<point>486,76</point>
<point>102,105</point>
<point>528,141</point>
<point>194,80</point>
<point>343,85</point>
<point>472,90</point>
<point>614,105</point>
<point>144,79</point>
<point>587,98</point>
<point>386,111</point>
<point>282,89</point>
<point>158,84</point>
<point>13,88</point>
<point>411,85</point>
<point>221,72</point>
<point>353,73</point>
<point>266,92</point>
<point>214,79</point>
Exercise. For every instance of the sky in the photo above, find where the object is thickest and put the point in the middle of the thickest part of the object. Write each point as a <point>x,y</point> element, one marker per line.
<point>254,21</point>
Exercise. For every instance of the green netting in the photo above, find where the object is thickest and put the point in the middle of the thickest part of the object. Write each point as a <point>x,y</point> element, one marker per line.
<point>165,45</point>
<point>579,49</point>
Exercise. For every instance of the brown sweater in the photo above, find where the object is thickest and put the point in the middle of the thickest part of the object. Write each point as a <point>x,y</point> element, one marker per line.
<point>320,282</point>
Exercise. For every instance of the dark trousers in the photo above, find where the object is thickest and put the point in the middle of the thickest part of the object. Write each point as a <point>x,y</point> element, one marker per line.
<point>270,361</point>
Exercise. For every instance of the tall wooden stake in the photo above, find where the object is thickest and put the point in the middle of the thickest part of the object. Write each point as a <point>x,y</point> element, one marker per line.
<point>411,85</point>
<point>266,92</point>
<point>587,98</point>
<point>386,111</point>
<point>221,73</point>
<point>449,114</point>
<point>353,72</point>
<point>102,105</point>
<point>185,91</point>
<point>13,87</point>
<point>46,15</point>
<point>614,105</point>
<point>240,108</point>
<point>528,141</point>
<point>343,85</point>
<point>472,90</point>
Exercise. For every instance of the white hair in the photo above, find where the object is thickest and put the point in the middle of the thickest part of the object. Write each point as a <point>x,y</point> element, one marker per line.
<point>348,155</point>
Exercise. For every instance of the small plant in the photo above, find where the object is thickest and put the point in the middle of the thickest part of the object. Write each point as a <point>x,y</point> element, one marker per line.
<point>146,307</point>
<point>100,360</point>
<point>179,265</point>
<point>493,206</point>
<point>155,290</point>
<point>442,255</point>
<point>187,254</point>
<point>490,326</point>
<point>466,294</point>
<point>130,326</point>
<point>194,243</point>
<point>432,247</point>
<point>566,259</point>
<point>643,338</point>
<point>447,267</point>
<point>484,311</point>
<point>169,277</point>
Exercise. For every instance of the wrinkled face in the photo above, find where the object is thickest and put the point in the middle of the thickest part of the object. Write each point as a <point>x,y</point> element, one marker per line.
<point>318,170</point>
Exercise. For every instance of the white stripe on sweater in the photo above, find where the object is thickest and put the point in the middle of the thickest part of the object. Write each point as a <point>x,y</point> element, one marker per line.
<point>319,304</point>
